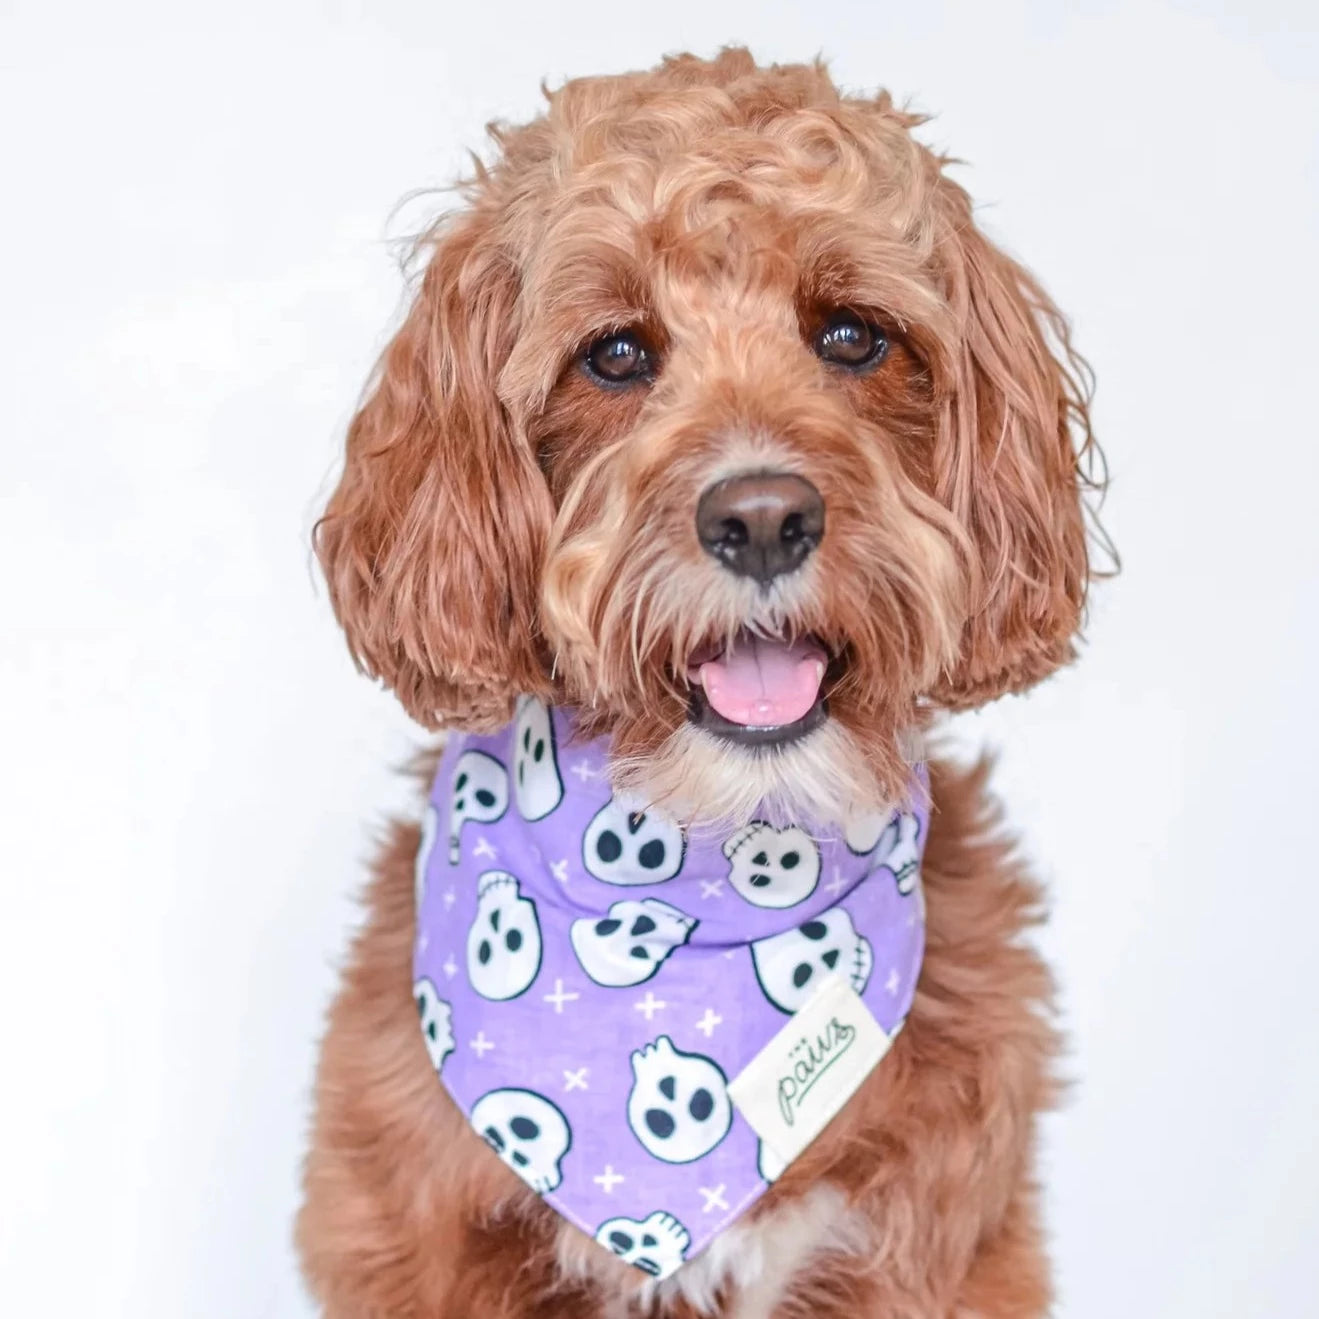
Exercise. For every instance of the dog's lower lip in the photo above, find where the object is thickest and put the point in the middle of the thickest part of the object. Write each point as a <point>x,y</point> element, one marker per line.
<point>705,717</point>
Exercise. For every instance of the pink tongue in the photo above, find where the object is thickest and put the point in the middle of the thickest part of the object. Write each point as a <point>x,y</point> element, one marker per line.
<point>762,683</point>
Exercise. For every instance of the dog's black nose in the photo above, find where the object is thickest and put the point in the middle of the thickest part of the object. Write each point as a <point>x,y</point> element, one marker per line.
<point>761,525</point>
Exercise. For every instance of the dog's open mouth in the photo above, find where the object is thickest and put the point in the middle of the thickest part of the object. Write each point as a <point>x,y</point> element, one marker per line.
<point>760,691</point>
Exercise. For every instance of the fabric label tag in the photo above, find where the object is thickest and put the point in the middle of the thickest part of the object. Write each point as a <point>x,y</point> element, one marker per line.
<point>809,1070</point>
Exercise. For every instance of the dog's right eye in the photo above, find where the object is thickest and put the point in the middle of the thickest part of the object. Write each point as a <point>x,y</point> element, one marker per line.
<point>618,359</point>
<point>847,340</point>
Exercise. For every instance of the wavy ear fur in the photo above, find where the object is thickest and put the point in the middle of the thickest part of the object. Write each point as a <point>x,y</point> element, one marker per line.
<point>1015,443</point>
<point>432,542</point>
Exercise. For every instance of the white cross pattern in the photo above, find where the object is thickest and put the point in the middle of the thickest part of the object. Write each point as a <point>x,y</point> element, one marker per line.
<point>711,888</point>
<point>714,1197</point>
<point>576,1080</point>
<point>837,884</point>
<point>450,967</point>
<point>450,897</point>
<point>423,941</point>
<point>560,997</point>
<point>891,984</point>
<point>650,1005</point>
<point>559,869</point>
<point>708,1022</point>
<point>609,1179</point>
<point>484,847</point>
<point>481,1046</point>
<point>584,771</point>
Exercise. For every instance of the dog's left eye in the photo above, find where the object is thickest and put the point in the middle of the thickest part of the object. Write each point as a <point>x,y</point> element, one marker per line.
<point>619,358</point>
<point>848,340</point>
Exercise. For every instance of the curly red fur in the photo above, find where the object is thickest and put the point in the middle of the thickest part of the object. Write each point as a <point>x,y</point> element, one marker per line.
<point>503,525</point>
<point>431,544</point>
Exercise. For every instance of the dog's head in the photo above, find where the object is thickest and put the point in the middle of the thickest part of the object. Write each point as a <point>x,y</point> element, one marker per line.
<point>717,417</point>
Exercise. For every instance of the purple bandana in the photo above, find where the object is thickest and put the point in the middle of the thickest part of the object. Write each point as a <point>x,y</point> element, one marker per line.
<point>599,988</point>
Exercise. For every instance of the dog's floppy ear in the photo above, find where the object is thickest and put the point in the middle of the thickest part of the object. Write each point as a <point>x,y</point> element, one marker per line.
<point>1015,433</point>
<point>432,542</point>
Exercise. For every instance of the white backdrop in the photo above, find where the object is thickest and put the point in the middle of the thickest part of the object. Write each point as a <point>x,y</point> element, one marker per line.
<point>194,284</point>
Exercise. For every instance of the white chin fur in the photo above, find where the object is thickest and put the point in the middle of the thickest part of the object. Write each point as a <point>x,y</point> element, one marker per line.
<point>700,778</point>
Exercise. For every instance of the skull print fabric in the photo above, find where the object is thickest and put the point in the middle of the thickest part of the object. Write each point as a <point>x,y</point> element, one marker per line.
<point>590,977</point>
<point>503,945</point>
<point>628,944</point>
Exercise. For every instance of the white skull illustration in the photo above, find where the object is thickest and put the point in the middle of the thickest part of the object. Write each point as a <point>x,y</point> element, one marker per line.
<point>768,1164</point>
<point>527,1132</point>
<point>679,1107</point>
<point>480,792</point>
<point>430,826</point>
<point>627,946</point>
<point>773,867</point>
<point>862,831</point>
<point>791,965</point>
<point>625,844</point>
<point>436,1022</point>
<point>537,787</point>
<point>899,851</point>
<point>504,944</point>
<point>656,1244</point>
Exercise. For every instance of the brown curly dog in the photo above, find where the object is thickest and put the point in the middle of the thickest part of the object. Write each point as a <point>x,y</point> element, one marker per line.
<point>716,276</point>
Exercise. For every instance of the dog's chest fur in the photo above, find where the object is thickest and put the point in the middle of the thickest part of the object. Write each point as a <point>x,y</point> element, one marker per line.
<point>751,1265</point>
